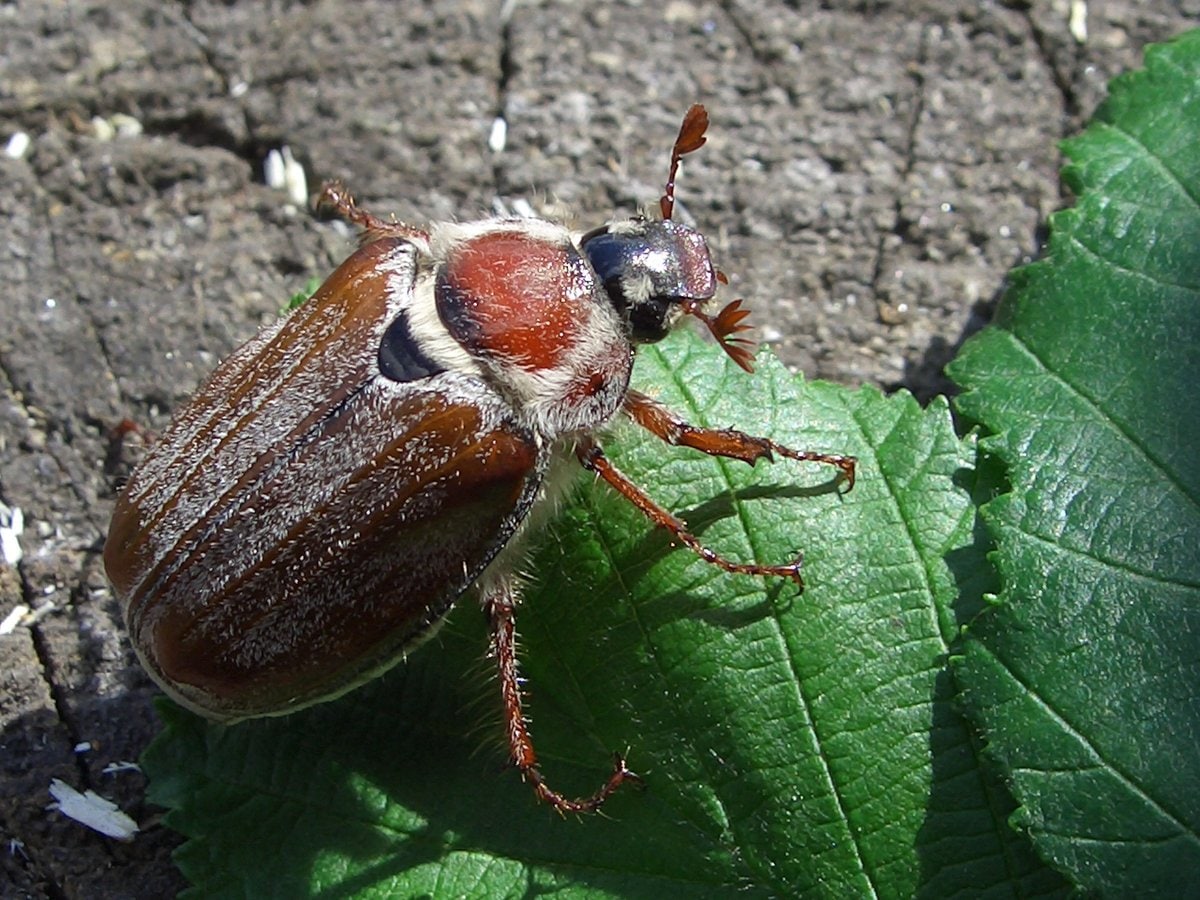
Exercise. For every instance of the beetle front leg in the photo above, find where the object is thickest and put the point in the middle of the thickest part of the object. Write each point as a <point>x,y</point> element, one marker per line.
<point>664,424</point>
<point>499,604</point>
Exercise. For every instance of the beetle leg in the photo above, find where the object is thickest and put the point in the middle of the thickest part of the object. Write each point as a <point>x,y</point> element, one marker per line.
<point>593,458</point>
<point>335,196</point>
<point>664,424</point>
<point>117,465</point>
<point>499,604</point>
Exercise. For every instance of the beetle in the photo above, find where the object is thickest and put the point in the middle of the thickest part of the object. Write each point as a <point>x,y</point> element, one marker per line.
<point>320,503</point>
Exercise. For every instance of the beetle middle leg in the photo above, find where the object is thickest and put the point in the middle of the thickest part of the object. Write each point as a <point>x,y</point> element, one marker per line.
<point>499,604</point>
<point>593,458</point>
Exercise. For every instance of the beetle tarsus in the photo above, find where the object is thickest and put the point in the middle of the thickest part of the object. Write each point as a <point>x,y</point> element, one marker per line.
<point>621,774</point>
<point>593,458</point>
<point>116,464</point>
<point>726,442</point>
<point>499,604</point>
<point>334,196</point>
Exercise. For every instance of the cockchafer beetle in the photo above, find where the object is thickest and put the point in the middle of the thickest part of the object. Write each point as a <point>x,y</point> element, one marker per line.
<point>314,511</point>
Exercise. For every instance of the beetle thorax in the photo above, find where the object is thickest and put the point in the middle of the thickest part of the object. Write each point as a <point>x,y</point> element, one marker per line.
<point>520,298</point>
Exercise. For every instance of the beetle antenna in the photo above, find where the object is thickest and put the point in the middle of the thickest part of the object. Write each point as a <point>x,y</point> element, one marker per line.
<point>691,137</point>
<point>724,325</point>
<point>730,320</point>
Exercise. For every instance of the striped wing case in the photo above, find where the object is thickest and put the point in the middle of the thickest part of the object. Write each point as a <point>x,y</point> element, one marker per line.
<point>305,520</point>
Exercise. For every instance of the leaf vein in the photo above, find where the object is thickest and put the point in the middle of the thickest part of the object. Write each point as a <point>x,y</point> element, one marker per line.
<point>1107,765</point>
<point>1159,162</point>
<point>1101,415</point>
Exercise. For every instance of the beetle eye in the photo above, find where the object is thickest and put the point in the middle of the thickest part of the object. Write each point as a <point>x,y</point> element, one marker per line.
<point>651,319</point>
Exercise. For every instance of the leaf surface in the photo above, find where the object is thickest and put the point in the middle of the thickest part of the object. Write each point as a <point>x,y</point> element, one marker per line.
<point>792,743</point>
<point>1085,678</point>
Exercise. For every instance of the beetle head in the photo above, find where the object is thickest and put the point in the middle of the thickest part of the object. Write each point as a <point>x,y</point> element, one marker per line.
<point>650,270</point>
<point>655,272</point>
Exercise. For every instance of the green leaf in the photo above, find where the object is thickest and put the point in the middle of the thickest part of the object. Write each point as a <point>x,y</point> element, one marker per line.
<point>1085,677</point>
<point>790,743</point>
<point>301,296</point>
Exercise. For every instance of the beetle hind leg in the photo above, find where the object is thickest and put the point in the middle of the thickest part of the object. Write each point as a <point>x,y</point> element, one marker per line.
<point>499,604</point>
<point>335,197</point>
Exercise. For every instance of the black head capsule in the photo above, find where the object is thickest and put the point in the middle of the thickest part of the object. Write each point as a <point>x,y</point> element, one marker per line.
<point>650,270</point>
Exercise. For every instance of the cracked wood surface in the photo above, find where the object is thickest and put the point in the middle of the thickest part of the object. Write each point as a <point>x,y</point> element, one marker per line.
<point>872,173</point>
